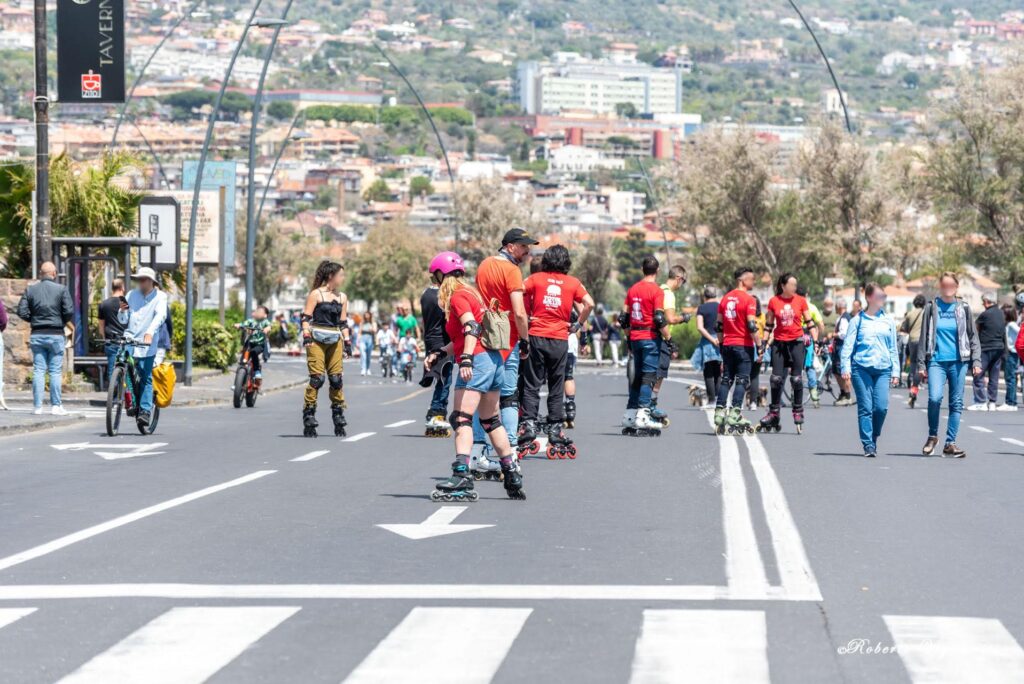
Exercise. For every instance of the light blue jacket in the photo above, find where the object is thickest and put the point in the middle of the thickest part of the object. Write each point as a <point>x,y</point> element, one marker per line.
<point>871,343</point>
<point>145,316</point>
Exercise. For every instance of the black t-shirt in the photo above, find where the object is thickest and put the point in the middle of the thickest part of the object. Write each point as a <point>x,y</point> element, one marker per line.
<point>107,311</point>
<point>992,329</point>
<point>709,310</point>
<point>434,334</point>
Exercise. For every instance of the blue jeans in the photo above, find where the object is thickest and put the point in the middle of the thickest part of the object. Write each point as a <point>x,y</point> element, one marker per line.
<point>365,353</point>
<point>1010,365</point>
<point>509,414</point>
<point>110,349</point>
<point>991,364</point>
<point>439,401</point>
<point>144,369</point>
<point>871,385</point>
<point>645,372</point>
<point>941,373</point>
<point>47,357</point>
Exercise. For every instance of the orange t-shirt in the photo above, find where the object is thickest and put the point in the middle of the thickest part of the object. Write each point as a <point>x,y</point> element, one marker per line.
<point>497,278</point>
<point>549,298</point>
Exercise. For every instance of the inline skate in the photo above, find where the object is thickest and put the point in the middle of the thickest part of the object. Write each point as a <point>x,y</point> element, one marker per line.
<point>736,424</point>
<point>770,422</point>
<point>798,420</point>
<point>527,442</point>
<point>816,397</point>
<point>559,445</point>
<point>513,480</point>
<point>484,468</point>
<point>658,415</point>
<point>309,423</point>
<point>642,425</point>
<point>570,413</point>
<point>436,424</point>
<point>458,487</point>
<point>719,420</point>
<point>338,416</point>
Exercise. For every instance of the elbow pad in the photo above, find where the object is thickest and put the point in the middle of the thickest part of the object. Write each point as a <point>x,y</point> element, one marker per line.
<point>660,321</point>
<point>751,326</point>
<point>623,320</point>
<point>305,318</point>
<point>472,328</point>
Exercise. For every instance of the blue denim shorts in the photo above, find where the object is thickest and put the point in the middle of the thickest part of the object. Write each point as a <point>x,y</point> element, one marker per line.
<point>488,373</point>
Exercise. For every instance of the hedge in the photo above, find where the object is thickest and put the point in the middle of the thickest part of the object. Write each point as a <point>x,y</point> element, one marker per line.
<point>213,345</point>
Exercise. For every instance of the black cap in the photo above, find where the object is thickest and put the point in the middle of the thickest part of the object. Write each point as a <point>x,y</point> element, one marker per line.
<point>518,236</point>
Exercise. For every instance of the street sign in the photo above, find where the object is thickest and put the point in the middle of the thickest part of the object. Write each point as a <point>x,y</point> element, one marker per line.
<point>207,224</point>
<point>834,282</point>
<point>160,219</point>
<point>216,175</point>
<point>90,51</point>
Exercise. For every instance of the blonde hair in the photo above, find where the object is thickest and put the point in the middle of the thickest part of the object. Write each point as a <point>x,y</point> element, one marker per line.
<point>449,286</point>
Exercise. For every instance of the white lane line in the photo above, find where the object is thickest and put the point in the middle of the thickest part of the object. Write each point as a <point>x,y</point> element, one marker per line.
<point>794,567</point>
<point>979,428</point>
<point>310,456</point>
<point>400,423</point>
<point>411,653</point>
<point>1015,442</point>
<point>359,436</point>
<point>701,646</point>
<point>68,540</point>
<point>744,569</point>
<point>426,592</point>
<point>182,646</point>
<point>948,650</point>
<point>9,615</point>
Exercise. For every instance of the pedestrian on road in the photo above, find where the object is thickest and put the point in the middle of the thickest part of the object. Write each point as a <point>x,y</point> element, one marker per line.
<point>991,325</point>
<point>46,306</point>
<point>948,345</point>
<point>843,319</point>
<point>325,335</point>
<point>499,279</point>
<point>668,349</point>
<point>367,336</point>
<point>738,336</point>
<point>911,327</point>
<point>707,357</point>
<point>143,319</point>
<point>871,362</point>
<point>648,326</point>
<point>108,315</point>
<point>1011,361</point>
<point>435,338</point>
<point>477,389</point>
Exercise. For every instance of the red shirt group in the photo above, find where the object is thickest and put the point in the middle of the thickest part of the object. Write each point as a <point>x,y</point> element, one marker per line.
<point>789,315</point>
<point>549,299</point>
<point>642,300</point>
<point>733,311</point>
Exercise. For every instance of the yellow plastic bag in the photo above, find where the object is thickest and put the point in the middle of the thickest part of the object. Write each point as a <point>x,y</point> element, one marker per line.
<point>164,379</point>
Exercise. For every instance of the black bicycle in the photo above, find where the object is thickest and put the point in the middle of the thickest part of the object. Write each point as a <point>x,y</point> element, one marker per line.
<point>125,390</point>
<point>247,385</point>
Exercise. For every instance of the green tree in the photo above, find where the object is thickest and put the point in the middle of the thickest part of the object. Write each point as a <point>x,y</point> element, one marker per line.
<point>420,186</point>
<point>16,183</point>
<point>378,191</point>
<point>484,209</point>
<point>629,256</point>
<point>593,266</point>
<point>86,200</point>
<point>391,263</point>
<point>625,110</point>
<point>281,110</point>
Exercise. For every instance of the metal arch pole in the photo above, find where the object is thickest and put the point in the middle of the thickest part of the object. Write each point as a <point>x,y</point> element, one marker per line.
<point>437,134</point>
<point>153,153</point>
<point>189,284</point>
<point>273,167</point>
<point>142,71</point>
<point>251,226</point>
<point>828,65</point>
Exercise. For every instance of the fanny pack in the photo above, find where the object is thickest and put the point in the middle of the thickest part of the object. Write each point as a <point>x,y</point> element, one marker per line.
<point>325,335</point>
<point>497,333</point>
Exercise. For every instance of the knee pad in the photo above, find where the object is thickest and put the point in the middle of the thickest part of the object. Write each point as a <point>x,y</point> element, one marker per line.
<point>335,379</point>
<point>742,380</point>
<point>511,401</point>
<point>459,419</point>
<point>796,381</point>
<point>316,381</point>
<point>776,381</point>
<point>491,424</point>
<point>649,379</point>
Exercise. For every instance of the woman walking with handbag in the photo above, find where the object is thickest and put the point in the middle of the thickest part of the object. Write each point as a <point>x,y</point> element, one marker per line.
<point>325,336</point>
<point>871,361</point>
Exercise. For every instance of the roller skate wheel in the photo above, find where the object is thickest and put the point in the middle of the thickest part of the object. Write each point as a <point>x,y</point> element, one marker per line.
<point>472,496</point>
<point>551,453</point>
<point>563,453</point>
<point>477,475</point>
<point>435,495</point>
<point>778,429</point>
<point>534,447</point>
<point>572,452</point>
<point>666,422</point>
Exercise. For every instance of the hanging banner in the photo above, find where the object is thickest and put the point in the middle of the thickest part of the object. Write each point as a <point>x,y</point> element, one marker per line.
<point>90,51</point>
<point>217,175</point>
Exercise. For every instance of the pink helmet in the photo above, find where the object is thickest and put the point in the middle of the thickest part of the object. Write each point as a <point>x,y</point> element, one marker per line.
<point>447,262</point>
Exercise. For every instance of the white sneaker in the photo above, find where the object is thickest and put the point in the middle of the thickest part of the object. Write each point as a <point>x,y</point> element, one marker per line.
<point>991,406</point>
<point>644,420</point>
<point>977,407</point>
<point>59,410</point>
<point>37,411</point>
<point>1006,407</point>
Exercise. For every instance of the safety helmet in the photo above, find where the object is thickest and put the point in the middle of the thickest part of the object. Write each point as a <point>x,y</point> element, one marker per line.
<point>1020,299</point>
<point>446,263</point>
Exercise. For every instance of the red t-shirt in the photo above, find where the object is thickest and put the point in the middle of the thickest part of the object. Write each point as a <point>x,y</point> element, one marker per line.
<point>789,317</point>
<point>462,300</point>
<point>642,300</point>
<point>549,300</point>
<point>497,278</point>
<point>733,312</point>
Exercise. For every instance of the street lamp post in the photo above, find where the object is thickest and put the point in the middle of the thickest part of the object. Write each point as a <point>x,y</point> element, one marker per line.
<point>288,137</point>
<point>194,213</point>
<point>41,103</point>
<point>257,105</point>
<point>828,65</point>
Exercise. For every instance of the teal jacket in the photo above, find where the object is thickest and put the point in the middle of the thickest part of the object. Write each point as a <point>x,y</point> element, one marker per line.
<point>871,343</point>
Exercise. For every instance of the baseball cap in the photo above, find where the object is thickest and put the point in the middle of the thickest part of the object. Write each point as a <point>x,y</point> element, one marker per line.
<point>518,236</point>
<point>145,272</point>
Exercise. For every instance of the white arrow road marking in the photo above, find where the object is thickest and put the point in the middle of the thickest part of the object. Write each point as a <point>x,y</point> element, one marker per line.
<point>438,524</point>
<point>979,428</point>
<point>9,615</point>
<point>400,423</point>
<point>130,450</point>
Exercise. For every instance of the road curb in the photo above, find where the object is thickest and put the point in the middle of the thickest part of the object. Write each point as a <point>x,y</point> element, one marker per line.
<point>37,426</point>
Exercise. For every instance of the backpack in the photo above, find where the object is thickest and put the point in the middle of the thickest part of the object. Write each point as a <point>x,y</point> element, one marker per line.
<point>497,329</point>
<point>164,379</point>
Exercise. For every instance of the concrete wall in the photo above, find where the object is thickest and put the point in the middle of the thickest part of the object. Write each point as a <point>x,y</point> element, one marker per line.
<point>17,356</point>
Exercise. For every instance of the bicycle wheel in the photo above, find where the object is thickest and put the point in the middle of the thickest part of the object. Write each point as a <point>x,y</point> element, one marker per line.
<point>250,397</point>
<point>115,400</point>
<point>150,427</point>
<point>241,378</point>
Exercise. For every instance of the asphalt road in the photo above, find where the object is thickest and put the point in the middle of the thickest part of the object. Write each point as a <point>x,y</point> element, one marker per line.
<point>228,548</point>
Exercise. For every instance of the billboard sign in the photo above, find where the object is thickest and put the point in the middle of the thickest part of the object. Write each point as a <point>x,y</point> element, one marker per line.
<point>207,252</point>
<point>160,219</point>
<point>217,175</point>
<point>90,51</point>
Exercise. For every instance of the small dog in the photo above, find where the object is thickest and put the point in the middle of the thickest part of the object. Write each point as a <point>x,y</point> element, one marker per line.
<point>762,398</point>
<point>697,396</point>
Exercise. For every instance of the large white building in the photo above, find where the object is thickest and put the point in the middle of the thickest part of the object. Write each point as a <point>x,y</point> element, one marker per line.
<point>572,82</point>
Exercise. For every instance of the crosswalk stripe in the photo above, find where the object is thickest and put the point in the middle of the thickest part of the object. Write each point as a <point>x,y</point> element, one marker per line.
<point>415,650</point>
<point>310,456</point>
<point>9,615</point>
<point>400,423</point>
<point>359,436</point>
<point>182,646</point>
<point>701,646</point>
<point>952,650</point>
